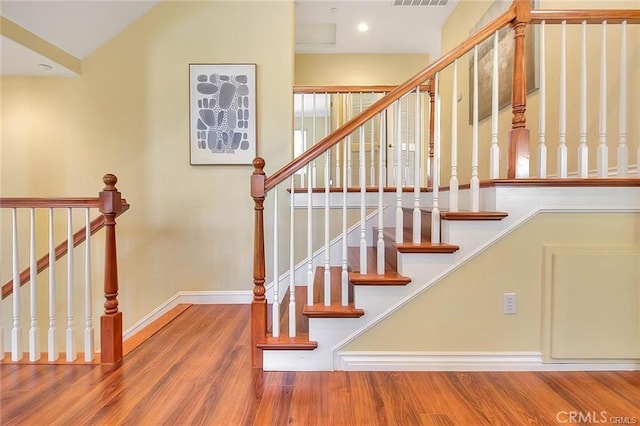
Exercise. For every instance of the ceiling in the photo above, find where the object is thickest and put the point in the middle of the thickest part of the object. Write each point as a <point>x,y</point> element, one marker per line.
<point>79,27</point>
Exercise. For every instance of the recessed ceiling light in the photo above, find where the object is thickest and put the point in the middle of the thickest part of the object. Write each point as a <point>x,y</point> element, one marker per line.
<point>45,67</point>
<point>363,27</point>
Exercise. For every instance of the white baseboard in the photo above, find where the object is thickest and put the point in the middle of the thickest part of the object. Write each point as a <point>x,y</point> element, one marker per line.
<point>463,361</point>
<point>194,298</point>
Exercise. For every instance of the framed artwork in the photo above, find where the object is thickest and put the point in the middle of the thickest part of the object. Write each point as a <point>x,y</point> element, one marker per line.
<point>506,46</point>
<point>222,113</point>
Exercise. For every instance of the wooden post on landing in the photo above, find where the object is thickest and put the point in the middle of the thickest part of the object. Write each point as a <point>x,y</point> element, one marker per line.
<point>111,321</point>
<point>259,304</point>
<point>518,139</point>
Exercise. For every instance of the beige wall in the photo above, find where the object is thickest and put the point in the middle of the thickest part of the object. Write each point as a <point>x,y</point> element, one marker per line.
<point>360,69</point>
<point>458,27</point>
<point>463,312</point>
<point>189,228</point>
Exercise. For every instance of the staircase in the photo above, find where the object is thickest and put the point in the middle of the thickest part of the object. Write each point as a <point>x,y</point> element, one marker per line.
<point>369,293</point>
<point>407,238</point>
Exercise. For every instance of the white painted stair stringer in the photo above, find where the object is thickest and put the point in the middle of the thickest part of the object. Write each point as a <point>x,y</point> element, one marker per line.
<point>522,204</point>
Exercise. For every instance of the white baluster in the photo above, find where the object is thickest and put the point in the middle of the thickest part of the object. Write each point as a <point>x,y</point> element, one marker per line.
<point>380,263</point>
<point>345,271</point>
<point>52,334</point>
<point>314,172</point>
<point>542,147</point>
<point>70,333</point>
<point>398,175</point>
<point>338,159</point>
<point>310,275</point>
<point>338,181</point>
<point>34,332</point>
<point>327,130</point>
<point>304,141</point>
<point>349,181</point>
<point>327,247</point>
<point>16,331</point>
<point>623,149</point>
<point>88,315</point>
<point>583,150</point>
<point>406,147</point>
<point>603,150</point>
<point>417,214</point>
<point>275,317</point>
<point>292,267</point>
<point>475,182</point>
<point>383,161</point>
<point>494,152</point>
<point>435,210</point>
<point>562,125</point>
<point>372,145</point>
<point>453,181</point>
<point>363,203</point>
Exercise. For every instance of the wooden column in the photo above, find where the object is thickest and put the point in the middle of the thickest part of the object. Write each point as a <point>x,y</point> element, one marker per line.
<point>111,321</point>
<point>259,304</point>
<point>518,139</point>
<point>432,107</point>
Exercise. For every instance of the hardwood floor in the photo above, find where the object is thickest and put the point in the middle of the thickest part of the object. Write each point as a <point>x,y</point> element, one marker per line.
<point>197,370</point>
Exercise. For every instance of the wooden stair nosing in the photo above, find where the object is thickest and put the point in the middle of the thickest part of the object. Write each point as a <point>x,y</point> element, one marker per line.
<point>284,342</point>
<point>465,215</point>
<point>423,247</point>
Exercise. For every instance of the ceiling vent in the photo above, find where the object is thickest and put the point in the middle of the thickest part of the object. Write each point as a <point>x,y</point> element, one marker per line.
<point>420,2</point>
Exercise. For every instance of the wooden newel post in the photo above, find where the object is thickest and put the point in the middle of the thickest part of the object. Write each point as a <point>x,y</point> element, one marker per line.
<point>518,139</point>
<point>111,321</point>
<point>432,110</point>
<point>259,304</point>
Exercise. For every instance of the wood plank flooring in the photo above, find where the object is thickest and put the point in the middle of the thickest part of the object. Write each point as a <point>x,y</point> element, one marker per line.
<point>197,370</point>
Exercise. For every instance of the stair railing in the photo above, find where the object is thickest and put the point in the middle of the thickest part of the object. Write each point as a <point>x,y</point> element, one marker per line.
<point>110,204</point>
<point>318,110</point>
<point>336,254</point>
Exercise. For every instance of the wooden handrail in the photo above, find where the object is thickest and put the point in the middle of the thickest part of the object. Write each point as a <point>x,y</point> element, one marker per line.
<point>61,249</point>
<point>612,16</point>
<point>48,202</point>
<point>418,79</point>
<point>385,88</point>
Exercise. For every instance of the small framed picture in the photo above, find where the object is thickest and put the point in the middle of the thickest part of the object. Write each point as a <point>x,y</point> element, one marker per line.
<point>222,113</point>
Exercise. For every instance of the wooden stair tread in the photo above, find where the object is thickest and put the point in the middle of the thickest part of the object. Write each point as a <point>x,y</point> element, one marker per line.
<point>335,309</point>
<point>422,247</point>
<point>464,215</point>
<point>390,277</point>
<point>425,247</point>
<point>284,342</point>
<point>318,310</point>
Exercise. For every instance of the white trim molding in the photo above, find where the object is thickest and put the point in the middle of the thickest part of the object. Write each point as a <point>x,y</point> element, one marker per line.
<point>465,361</point>
<point>195,298</point>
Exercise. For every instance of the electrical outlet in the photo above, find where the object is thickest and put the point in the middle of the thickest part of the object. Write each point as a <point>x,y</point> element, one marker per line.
<point>509,303</point>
